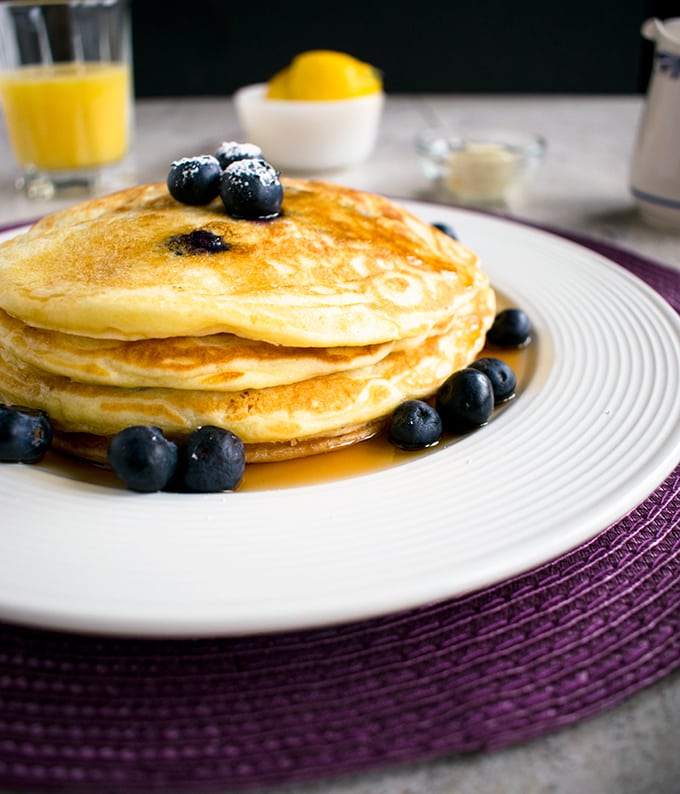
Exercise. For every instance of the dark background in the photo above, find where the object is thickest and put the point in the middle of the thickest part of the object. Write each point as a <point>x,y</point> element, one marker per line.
<point>211,47</point>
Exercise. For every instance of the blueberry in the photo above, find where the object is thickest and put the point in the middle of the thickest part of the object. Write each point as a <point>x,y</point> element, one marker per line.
<point>231,151</point>
<point>465,400</point>
<point>211,459</point>
<point>25,434</point>
<point>446,228</point>
<point>143,458</point>
<point>251,189</point>
<point>199,241</point>
<point>502,377</point>
<point>415,425</point>
<point>511,328</point>
<point>195,180</point>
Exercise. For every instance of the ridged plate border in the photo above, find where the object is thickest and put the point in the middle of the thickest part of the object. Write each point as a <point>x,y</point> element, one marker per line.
<point>594,432</point>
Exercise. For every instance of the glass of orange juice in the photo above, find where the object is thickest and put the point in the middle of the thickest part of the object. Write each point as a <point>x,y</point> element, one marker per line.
<point>67,95</point>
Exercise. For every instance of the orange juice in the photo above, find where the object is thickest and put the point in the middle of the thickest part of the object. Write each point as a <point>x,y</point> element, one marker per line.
<point>67,116</point>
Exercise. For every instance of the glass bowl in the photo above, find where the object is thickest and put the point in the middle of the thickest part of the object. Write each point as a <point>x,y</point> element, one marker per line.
<point>480,167</point>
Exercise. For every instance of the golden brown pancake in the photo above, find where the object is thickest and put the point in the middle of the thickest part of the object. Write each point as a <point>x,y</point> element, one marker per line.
<point>302,336</point>
<point>218,362</point>
<point>95,448</point>
<point>338,268</point>
<point>305,409</point>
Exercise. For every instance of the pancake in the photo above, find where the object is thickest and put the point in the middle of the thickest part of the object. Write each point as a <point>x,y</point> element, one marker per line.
<point>88,446</point>
<point>299,334</point>
<point>307,409</point>
<point>338,268</point>
<point>218,362</point>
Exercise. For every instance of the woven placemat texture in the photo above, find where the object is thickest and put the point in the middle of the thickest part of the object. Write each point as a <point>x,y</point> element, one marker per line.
<point>514,661</point>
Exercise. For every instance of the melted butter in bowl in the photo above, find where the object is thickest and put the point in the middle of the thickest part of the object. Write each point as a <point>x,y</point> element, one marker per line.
<point>479,168</point>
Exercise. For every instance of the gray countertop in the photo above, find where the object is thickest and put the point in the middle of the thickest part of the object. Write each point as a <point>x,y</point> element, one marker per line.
<point>582,186</point>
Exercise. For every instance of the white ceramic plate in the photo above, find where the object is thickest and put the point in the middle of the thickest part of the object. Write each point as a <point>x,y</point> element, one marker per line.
<point>595,430</point>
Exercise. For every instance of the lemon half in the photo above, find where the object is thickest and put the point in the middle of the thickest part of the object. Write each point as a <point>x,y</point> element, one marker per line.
<point>322,75</point>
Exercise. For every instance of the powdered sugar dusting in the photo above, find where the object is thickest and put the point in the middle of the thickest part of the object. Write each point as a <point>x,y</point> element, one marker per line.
<point>195,162</point>
<point>245,170</point>
<point>229,151</point>
<point>186,168</point>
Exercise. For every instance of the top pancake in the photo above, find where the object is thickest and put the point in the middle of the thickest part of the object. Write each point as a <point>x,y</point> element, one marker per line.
<point>338,268</point>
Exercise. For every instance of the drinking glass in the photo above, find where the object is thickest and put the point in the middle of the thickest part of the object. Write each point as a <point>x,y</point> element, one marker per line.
<point>67,94</point>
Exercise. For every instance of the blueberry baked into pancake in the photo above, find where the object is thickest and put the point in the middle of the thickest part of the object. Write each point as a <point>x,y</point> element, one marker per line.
<point>297,314</point>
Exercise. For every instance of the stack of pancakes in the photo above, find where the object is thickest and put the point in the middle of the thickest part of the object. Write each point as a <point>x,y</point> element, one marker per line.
<point>299,334</point>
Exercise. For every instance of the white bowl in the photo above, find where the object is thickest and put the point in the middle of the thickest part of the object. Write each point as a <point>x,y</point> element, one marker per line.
<point>309,135</point>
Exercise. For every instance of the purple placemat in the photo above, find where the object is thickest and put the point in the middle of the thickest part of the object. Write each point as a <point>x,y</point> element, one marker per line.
<point>514,661</point>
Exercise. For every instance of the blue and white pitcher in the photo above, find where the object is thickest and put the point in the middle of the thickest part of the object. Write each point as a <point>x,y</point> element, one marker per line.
<point>655,174</point>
